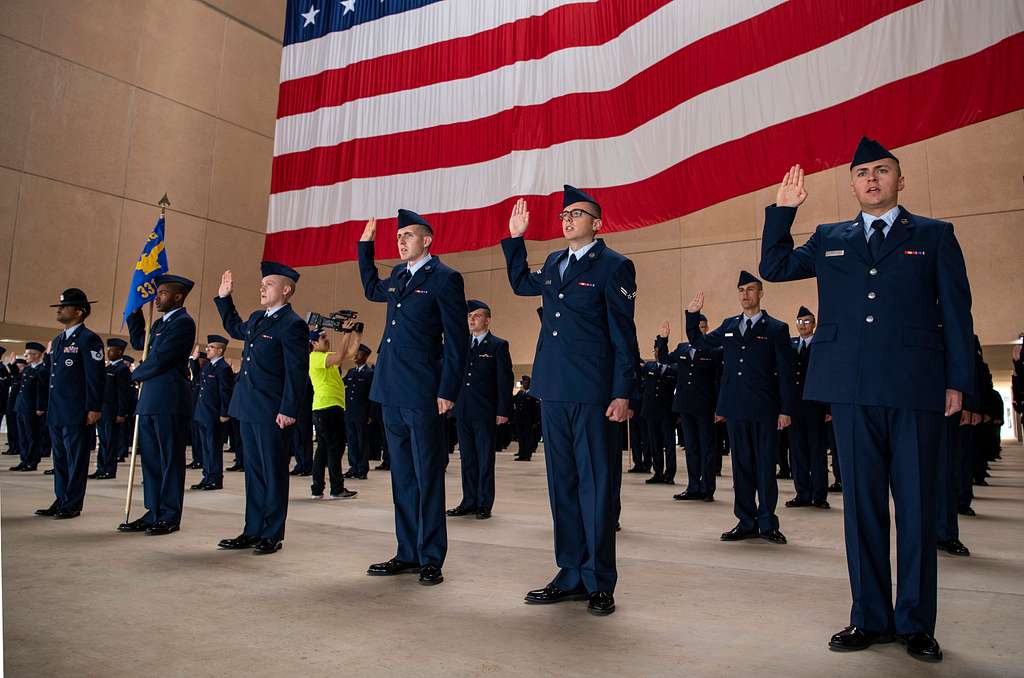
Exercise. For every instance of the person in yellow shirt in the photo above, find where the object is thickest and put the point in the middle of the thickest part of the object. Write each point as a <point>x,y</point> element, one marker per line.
<point>329,410</point>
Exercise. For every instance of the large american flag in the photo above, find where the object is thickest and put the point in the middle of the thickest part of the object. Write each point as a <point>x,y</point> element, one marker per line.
<point>658,107</point>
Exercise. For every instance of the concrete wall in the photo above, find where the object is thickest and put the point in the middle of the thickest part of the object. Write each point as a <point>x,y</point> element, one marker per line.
<point>98,118</point>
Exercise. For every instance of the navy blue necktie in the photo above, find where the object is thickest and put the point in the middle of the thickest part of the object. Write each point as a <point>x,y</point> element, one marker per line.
<point>403,280</point>
<point>877,238</point>
<point>568,267</point>
<point>749,326</point>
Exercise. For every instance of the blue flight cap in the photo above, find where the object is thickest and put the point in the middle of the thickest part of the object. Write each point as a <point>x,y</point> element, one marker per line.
<point>804,311</point>
<point>114,342</point>
<point>365,349</point>
<point>216,339</point>
<point>869,150</point>
<point>178,279</point>
<point>746,278</point>
<point>274,268</point>
<point>475,305</point>
<point>35,346</point>
<point>571,194</point>
<point>408,218</point>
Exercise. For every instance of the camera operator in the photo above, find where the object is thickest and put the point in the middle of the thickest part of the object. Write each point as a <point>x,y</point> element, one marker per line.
<point>329,406</point>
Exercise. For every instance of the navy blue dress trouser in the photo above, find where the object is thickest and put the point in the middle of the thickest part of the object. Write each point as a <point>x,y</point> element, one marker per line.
<point>162,441</point>
<point>356,432</point>
<point>209,437</point>
<point>30,438</point>
<point>661,440</point>
<point>584,467</point>
<point>476,449</point>
<point>268,449</point>
<point>702,456</point>
<point>807,453</point>
<point>883,448</point>
<point>755,444</point>
<point>947,488</point>
<point>418,456</point>
<point>70,465</point>
<point>110,445</point>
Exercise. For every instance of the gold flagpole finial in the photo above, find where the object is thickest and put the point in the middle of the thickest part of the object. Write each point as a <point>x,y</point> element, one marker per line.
<point>164,204</point>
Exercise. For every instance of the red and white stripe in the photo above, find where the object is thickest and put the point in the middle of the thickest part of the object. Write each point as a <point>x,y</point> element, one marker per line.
<point>658,109</point>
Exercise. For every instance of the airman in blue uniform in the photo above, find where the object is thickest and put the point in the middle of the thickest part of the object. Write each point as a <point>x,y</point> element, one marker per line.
<point>75,402</point>
<point>892,354</point>
<point>526,420</point>
<point>485,401</point>
<point>165,405</point>
<point>586,373</point>
<point>417,379</point>
<point>267,399</point>
<point>756,398</point>
<point>216,384</point>
<point>659,381</point>
<point>358,381</point>
<point>117,402</point>
<point>30,406</point>
<point>807,432</point>
<point>696,395</point>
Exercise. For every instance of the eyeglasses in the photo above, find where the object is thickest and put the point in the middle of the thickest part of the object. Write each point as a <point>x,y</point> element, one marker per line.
<point>575,214</point>
<point>804,322</point>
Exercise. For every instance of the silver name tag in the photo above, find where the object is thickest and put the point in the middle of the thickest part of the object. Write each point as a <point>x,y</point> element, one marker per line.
<point>728,334</point>
<point>835,253</point>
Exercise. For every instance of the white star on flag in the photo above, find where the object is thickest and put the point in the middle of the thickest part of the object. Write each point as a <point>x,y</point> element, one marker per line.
<point>310,16</point>
<point>349,5</point>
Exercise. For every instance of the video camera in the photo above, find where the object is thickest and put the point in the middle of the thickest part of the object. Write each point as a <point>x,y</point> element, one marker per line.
<point>334,321</point>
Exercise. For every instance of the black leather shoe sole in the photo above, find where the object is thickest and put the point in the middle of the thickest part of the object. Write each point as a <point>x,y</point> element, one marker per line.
<point>561,599</point>
<point>879,640</point>
<point>600,611</point>
<point>267,549</point>
<point>431,581</point>
<point>409,569</point>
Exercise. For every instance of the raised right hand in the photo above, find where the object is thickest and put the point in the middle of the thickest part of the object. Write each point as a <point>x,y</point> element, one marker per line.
<point>664,330</point>
<point>791,193</point>
<point>227,283</point>
<point>370,232</point>
<point>697,304</point>
<point>520,219</point>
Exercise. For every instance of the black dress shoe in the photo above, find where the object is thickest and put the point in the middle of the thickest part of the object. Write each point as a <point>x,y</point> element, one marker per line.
<point>66,515</point>
<point>966,511</point>
<point>655,480</point>
<point>195,465</point>
<point>139,525</point>
<point>392,567</point>
<point>637,469</point>
<point>922,646</point>
<point>382,467</point>
<point>267,546</point>
<point>483,514</point>
<point>784,475</point>
<point>93,476</point>
<point>160,528</point>
<point>16,467</point>
<point>552,594</point>
<point>430,575</point>
<point>48,512</point>
<point>212,486</point>
<point>47,472</point>
<point>797,503</point>
<point>198,486</point>
<point>688,496</point>
<point>835,487</point>
<point>106,476</point>
<point>460,511</point>
<point>739,534</point>
<point>296,471</point>
<point>853,638</point>
<point>709,498</point>
<point>235,467</point>
<point>347,474</point>
<point>774,536</point>
<point>242,541</point>
<point>669,481</point>
<point>953,547</point>
<point>601,603</point>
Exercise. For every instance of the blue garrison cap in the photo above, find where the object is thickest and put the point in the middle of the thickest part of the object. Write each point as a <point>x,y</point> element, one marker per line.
<point>746,278</point>
<point>365,349</point>
<point>216,339</point>
<point>803,312</point>
<point>408,218</point>
<point>475,305</point>
<point>274,268</point>
<point>114,342</point>
<point>179,279</point>
<point>869,150</point>
<point>571,194</point>
<point>35,346</point>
